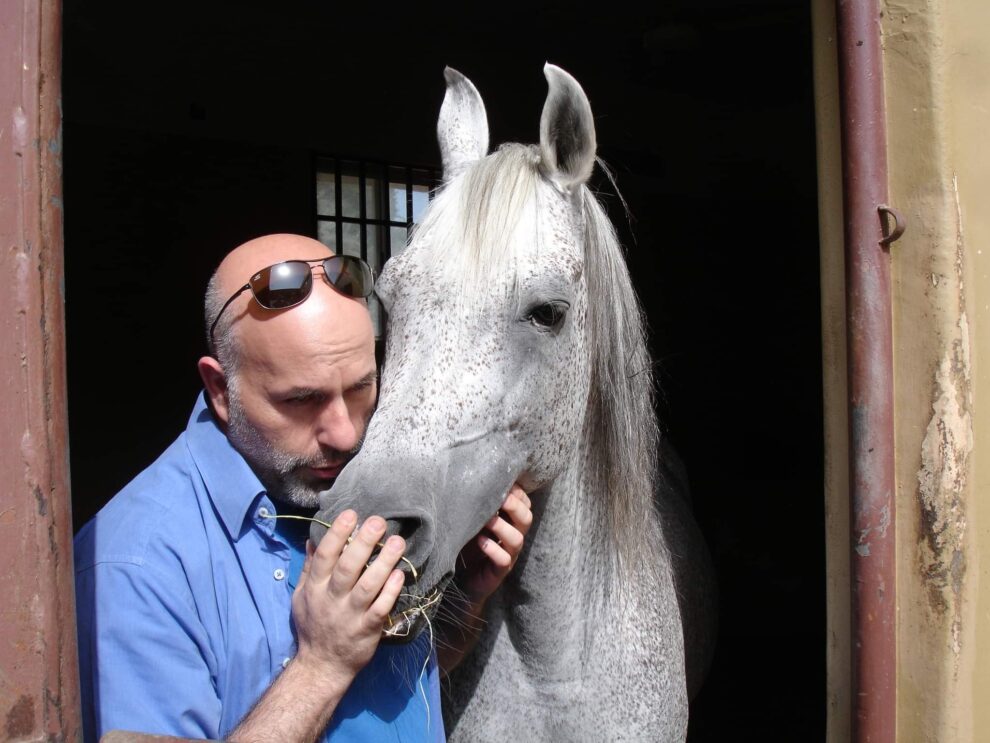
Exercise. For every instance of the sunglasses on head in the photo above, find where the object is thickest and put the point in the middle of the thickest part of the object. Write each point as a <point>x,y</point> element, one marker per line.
<point>288,283</point>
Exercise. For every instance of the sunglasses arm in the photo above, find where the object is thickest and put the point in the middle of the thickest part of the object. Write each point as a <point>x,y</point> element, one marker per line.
<point>226,304</point>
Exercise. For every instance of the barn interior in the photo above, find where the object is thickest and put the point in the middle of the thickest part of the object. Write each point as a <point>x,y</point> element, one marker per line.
<point>189,128</point>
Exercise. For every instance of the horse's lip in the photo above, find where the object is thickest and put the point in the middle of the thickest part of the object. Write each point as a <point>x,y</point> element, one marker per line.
<point>405,624</point>
<point>404,629</point>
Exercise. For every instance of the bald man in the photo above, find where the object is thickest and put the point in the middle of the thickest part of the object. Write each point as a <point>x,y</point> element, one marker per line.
<point>201,614</point>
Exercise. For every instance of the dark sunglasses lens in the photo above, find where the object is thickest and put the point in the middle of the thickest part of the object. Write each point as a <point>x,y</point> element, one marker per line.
<point>282,285</point>
<point>349,275</point>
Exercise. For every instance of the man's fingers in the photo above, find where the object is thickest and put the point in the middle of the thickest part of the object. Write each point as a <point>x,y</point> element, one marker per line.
<point>505,533</point>
<point>518,511</point>
<point>378,612</point>
<point>521,494</point>
<point>352,563</point>
<point>326,555</point>
<point>373,579</point>
<point>495,552</point>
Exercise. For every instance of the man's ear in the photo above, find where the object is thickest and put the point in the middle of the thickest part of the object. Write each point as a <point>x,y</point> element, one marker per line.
<point>215,382</point>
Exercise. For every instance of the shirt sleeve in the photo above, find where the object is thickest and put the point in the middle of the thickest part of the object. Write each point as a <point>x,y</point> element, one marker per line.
<point>145,659</point>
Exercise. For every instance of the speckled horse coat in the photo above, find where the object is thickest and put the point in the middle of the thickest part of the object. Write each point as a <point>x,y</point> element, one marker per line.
<point>515,351</point>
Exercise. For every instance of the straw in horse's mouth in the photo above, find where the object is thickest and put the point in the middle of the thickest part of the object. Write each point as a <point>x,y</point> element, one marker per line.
<point>403,624</point>
<point>414,611</point>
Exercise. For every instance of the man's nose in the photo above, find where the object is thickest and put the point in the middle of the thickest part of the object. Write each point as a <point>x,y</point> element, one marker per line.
<point>336,428</point>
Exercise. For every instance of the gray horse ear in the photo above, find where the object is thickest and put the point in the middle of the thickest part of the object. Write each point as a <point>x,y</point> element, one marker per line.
<point>567,130</point>
<point>462,128</point>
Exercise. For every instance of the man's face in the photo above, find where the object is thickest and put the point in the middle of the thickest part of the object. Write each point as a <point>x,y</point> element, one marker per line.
<point>301,399</point>
<point>291,476</point>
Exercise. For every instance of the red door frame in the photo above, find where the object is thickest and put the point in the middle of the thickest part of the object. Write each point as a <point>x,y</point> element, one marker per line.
<point>39,685</point>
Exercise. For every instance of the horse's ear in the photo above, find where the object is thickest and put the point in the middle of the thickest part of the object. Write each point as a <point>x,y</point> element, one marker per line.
<point>462,129</point>
<point>567,130</point>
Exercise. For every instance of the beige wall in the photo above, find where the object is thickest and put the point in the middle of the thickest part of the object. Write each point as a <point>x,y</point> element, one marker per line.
<point>937,58</point>
<point>937,78</point>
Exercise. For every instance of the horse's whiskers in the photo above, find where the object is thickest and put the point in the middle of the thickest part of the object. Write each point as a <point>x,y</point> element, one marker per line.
<point>456,620</point>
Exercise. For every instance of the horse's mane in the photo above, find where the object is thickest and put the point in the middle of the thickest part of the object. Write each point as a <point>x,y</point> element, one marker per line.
<point>481,217</point>
<point>621,435</point>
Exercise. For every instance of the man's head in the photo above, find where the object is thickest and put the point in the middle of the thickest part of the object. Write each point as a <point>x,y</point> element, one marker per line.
<point>293,388</point>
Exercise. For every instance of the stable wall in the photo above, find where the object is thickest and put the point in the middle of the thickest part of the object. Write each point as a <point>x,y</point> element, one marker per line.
<point>938,94</point>
<point>937,91</point>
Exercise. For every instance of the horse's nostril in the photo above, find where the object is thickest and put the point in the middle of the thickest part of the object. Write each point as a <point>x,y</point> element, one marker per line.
<point>404,527</point>
<point>418,545</point>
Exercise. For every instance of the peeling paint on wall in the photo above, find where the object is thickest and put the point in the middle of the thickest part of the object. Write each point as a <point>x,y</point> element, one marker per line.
<point>944,472</point>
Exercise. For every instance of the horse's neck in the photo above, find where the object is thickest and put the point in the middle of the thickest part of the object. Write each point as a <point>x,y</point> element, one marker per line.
<point>558,653</point>
<point>547,597</point>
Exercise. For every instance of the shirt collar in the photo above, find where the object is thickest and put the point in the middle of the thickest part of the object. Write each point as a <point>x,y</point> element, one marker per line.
<point>232,485</point>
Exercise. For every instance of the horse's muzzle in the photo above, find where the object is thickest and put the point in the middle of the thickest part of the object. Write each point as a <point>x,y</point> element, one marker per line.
<point>437,502</point>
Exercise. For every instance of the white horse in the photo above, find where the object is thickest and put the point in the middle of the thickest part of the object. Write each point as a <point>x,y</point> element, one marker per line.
<point>515,351</point>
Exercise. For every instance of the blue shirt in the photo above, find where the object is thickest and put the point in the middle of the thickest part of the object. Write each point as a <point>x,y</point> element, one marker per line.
<point>183,594</point>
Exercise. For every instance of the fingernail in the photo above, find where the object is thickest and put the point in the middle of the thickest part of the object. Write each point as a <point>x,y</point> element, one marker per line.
<point>347,518</point>
<point>395,543</point>
<point>376,524</point>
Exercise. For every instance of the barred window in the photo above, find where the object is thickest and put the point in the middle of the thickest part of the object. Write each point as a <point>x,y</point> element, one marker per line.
<point>367,208</point>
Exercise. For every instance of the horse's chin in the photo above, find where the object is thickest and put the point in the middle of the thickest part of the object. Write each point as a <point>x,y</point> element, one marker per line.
<point>413,612</point>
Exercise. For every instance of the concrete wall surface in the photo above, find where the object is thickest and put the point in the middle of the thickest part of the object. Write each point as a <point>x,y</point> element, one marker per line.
<point>937,71</point>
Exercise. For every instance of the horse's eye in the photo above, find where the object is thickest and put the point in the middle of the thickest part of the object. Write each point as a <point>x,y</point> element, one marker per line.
<point>549,316</point>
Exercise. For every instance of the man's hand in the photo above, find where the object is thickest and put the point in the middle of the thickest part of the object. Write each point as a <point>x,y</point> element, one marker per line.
<point>482,566</point>
<point>339,609</point>
<point>488,558</point>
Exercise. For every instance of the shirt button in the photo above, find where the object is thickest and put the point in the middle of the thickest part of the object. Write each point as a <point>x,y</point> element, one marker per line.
<point>279,574</point>
<point>285,662</point>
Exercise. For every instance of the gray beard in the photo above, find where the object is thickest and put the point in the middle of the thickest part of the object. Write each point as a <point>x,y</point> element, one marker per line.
<point>279,471</point>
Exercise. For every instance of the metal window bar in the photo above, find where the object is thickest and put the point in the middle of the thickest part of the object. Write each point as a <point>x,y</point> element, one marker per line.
<point>338,208</point>
<point>363,210</point>
<point>409,201</point>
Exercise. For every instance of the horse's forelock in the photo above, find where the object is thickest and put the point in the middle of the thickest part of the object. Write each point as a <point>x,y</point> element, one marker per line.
<point>475,226</point>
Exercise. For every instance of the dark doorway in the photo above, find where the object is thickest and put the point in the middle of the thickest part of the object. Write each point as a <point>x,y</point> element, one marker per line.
<point>190,128</point>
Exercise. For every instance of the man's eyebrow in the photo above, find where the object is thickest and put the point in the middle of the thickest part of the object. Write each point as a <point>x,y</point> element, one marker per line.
<point>301,392</point>
<point>367,380</point>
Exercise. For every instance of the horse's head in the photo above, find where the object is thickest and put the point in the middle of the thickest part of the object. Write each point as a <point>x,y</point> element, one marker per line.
<point>486,375</point>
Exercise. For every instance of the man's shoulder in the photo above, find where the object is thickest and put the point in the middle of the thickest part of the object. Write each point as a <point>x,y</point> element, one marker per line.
<point>161,505</point>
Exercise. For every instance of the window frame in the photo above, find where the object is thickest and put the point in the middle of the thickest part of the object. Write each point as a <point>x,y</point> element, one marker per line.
<point>411,176</point>
<point>414,175</point>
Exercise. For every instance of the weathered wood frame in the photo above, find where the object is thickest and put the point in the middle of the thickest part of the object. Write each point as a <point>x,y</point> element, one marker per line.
<point>39,686</point>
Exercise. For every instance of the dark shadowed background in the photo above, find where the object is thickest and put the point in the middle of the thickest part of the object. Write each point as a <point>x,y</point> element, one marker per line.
<point>189,129</point>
